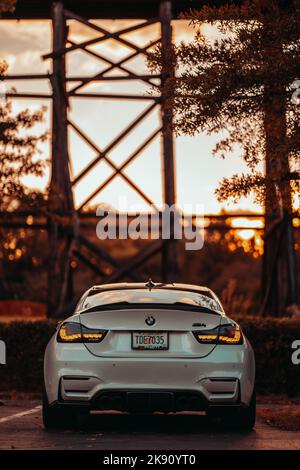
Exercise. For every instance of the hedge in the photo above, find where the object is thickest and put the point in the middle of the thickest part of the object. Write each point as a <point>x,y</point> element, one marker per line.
<point>271,340</point>
<point>25,345</point>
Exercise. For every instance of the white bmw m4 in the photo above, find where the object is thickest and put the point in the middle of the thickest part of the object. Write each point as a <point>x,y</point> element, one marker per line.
<point>145,348</point>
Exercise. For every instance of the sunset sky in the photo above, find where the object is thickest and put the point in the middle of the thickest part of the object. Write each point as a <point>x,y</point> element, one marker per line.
<point>197,172</point>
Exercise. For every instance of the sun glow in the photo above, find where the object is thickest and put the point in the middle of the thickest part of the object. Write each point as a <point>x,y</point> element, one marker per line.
<point>249,238</point>
<point>246,234</point>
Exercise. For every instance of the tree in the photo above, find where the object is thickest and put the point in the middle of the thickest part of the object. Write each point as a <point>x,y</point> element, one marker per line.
<point>19,157</point>
<point>241,84</point>
<point>18,152</point>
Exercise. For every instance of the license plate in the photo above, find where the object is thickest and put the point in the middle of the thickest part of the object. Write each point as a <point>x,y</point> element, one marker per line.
<point>153,340</point>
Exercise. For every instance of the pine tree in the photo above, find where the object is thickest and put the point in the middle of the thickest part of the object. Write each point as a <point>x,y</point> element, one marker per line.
<point>241,84</point>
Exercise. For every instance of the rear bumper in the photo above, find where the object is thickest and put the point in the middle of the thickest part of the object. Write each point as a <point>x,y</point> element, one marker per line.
<point>148,401</point>
<point>74,376</point>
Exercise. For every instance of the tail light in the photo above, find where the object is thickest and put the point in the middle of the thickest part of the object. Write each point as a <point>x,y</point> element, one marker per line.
<point>71,332</point>
<point>224,334</point>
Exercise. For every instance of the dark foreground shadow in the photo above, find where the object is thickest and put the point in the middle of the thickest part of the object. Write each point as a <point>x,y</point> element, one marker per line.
<point>180,423</point>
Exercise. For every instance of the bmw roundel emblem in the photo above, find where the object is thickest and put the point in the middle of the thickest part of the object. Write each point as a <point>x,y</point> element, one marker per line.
<point>150,321</point>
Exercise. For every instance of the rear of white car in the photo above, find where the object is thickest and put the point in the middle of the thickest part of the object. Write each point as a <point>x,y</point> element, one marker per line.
<point>148,348</point>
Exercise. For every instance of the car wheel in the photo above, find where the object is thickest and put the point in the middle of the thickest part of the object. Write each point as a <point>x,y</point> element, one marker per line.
<point>244,418</point>
<point>248,415</point>
<point>56,417</point>
<point>237,418</point>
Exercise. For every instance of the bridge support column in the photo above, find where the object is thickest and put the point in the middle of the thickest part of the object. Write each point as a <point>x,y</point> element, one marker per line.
<point>169,255</point>
<point>62,219</point>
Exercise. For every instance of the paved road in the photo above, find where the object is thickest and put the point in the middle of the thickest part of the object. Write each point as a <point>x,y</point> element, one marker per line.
<point>21,428</point>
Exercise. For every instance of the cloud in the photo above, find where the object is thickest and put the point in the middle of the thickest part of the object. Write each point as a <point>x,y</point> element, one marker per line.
<point>23,43</point>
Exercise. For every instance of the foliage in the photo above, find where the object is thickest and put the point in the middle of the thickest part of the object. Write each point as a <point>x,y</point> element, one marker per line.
<point>18,149</point>
<point>18,155</point>
<point>7,5</point>
<point>240,84</point>
<point>271,340</point>
<point>25,345</point>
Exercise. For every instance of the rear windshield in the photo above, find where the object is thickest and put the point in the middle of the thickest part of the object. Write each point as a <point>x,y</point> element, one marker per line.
<point>157,297</point>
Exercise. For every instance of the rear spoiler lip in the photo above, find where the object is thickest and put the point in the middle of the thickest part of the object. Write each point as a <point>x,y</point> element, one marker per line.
<point>109,308</point>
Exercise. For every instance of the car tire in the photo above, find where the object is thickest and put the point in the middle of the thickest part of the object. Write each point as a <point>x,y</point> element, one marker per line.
<point>56,417</point>
<point>241,418</point>
<point>244,418</point>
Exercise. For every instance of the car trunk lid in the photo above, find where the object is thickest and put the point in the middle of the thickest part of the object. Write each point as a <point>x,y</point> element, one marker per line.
<point>178,324</point>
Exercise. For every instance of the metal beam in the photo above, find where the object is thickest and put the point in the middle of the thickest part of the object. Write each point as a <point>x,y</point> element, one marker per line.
<point>105,157</point>
<point>111,145</point>
<point>115,35</point>
<point>107,9</point>
<point>115,65</point>
<point>119,169</point>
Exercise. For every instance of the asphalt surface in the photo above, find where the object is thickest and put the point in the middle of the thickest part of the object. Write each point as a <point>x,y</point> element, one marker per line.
<point>21,428</point>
